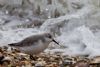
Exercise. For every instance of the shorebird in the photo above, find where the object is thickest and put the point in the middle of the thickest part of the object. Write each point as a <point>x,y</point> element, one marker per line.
<point>34,44</point>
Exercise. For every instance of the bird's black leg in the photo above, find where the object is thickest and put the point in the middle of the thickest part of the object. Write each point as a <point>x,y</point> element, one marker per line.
<point>31,57</point>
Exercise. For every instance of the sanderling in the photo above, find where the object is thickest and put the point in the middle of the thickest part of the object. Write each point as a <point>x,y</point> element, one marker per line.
<point>34,44</point>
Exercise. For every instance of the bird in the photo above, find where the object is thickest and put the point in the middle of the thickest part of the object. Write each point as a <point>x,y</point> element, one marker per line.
<point>34,44</point>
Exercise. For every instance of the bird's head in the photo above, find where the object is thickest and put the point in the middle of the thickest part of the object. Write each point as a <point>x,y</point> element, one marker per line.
<point>49,37</point>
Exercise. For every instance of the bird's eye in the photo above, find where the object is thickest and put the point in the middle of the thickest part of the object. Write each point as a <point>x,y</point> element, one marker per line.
<point>49,36</point>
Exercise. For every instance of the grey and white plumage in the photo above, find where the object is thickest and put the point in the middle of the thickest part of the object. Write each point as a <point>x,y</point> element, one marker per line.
<point>34,44</point>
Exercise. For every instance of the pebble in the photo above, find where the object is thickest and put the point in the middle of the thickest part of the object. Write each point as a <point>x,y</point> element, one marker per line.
<point>17,59</point>
<point>39,64</point>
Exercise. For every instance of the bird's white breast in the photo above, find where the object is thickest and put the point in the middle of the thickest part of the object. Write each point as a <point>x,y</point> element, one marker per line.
<point>35,48</point>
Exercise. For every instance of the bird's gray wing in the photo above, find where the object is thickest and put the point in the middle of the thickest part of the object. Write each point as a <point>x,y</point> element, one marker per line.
<point>28,41</point>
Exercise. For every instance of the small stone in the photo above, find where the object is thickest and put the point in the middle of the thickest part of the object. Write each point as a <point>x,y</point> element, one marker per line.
<point>33,63</point>
<point>22,54</point>
<point>81,63</point>
<point>39,59</point>
<point>52,59</point>
<point>39,64</point>
<point>7,58</point>
<point>67,62</point>
<point>5,63</point>
<point>54,64</point>
<point>96,60</point>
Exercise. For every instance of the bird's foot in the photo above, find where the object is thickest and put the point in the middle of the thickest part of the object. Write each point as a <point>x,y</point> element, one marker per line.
<point>31,57</point>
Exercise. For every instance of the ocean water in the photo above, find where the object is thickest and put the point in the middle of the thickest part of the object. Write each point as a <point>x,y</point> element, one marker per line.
<point>74,23</point>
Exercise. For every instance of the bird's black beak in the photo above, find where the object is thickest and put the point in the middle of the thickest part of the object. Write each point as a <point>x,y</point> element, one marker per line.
<point>55,41</point>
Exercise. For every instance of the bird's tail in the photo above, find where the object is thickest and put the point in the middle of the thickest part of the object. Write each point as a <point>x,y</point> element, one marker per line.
<point>12,44</point>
